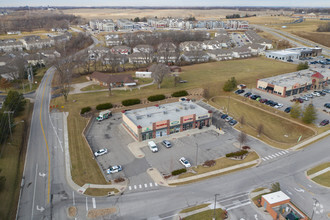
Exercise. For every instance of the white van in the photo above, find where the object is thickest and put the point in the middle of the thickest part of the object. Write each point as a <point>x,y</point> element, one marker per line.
<point>152,146</point>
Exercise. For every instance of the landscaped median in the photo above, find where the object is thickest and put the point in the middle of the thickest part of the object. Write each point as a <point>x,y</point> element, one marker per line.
<point>320,174</point>
<point>222,166</point>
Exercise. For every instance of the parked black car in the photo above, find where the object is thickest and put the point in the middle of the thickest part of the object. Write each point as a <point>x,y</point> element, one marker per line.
<point>327,105</point>
<point>224,116</point>
<point>240,91</point>
<point>233,122</point>
<point>247,94</point>
<point>288,109</point>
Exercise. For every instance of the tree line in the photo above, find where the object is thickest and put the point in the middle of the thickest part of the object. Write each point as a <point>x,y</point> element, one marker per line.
<point>29,21</point>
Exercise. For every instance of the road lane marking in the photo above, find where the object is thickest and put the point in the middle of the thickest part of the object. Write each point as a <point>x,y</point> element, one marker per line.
<point>289,192</point>
<point>287,151</point>
<point>145,185</point>
<point>43,132</point>
<point>73,201</point>
<point>306,189</point>
<point>42,174</point>
<point>34,190</point>
<point>130,188</point>
<point>41,209</point>
<point>277,154</point>
<point>270,157</point>
<point>150,184</point>
<point>134,186</point>
<point>55,131</point>
<point>86,205</point>
<point>156,184</point>
<point>94,203</point>
<point>140,186</point>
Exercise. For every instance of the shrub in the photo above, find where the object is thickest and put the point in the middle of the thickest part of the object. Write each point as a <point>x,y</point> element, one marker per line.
<point>246,148</point>
<point>209,163</point>
<point>179,171</point>
<point>180,93</point>
<point>154,98</point>
<point>302,66</point>
<point>230,85</point>
<point>84,110</point>
<point>129,102</point>
<point>104,106</point>
<point>237,153</point>
<point>119,179</point>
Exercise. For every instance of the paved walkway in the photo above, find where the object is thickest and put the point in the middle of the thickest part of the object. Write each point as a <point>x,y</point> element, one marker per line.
<point>309,141</point>
<point>319,173</point>
<point>78,86</point>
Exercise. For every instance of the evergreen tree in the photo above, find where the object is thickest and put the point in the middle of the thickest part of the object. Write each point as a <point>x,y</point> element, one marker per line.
<point>296,110</point>
<point>309,114</point>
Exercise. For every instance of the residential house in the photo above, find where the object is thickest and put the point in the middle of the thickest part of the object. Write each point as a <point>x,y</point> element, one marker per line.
<point>257,49</point>
<point>256,38</point>
<point>114,81</point>
<point>167,57</point>
<point>51,54</point>
<point>125,24</point>
<point>195,56</point>
<point>140,58</point>
<point>221,32</point>
<point>115,58</point>
<point>166,47</point>
<point>211,45</point>
<point>237,24</point>
<point>220,54</point>
<point>191,46</point>
<point>224,40</point>
<point>34,59</point>
<point>143,74</point>
<point>113,40</point>
<point>11,46</point>
<point>98,52</point>
<point>241,52</point>
<point>120,50</point>
<point>35,42</point>
<point>143,48</point>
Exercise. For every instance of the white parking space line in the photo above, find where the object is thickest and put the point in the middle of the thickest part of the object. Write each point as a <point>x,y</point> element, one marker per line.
<point>94,203</point>
<point>135,187</point>
<point>150,184</point>
<point>140,186</point>
<point>156,184</point>
<point>130,188</point>
<point>145,185</point>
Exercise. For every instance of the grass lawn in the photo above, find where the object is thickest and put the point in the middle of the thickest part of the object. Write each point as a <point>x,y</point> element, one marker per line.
<point>318,168</point>
<point>258,197</point>
<point>12,164</point>
<point>210,75</point>
<point>259,189</point>
<point>99,192</point>
<point>219,215</point>
<point>220,163</point>
<point>277,131</point>
<point>195,208</point>
<point>323,179</point>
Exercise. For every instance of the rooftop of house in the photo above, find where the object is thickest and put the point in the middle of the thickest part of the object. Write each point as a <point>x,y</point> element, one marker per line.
<point>171,111</point>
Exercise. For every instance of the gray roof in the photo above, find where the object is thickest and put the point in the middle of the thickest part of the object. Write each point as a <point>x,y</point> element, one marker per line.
<point>171,111</point>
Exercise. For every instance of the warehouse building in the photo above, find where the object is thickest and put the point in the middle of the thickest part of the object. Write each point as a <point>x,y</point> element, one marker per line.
<point>163,120</point>
<point>294,83</point>
<point>293,53</point>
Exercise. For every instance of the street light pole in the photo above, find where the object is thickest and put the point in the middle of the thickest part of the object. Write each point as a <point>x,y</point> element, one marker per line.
<point>196,154</point>
<point>215,201</point>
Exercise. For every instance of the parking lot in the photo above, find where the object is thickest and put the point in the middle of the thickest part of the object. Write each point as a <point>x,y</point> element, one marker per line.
<point>317,101</point>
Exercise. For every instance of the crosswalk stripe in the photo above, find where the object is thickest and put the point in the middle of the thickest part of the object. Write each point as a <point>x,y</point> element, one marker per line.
<point>270,157</point>
<point>287,151</point>
<point>130,188</point>
<point>140,186</point>
<point>283,152</point>
<point>156,184</point>
<point>273,156</point>
<point>266,158</point>
<point>263,159</point>
<point>277,154</point>
<point>145,185</point>
<point>150,184</point>
<point>135,187</point>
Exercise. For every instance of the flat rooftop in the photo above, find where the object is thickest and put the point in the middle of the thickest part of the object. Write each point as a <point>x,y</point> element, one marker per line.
<point>171,111</point>
<point>283,52</point>
<point>275,197</point>
<point>288,80</point>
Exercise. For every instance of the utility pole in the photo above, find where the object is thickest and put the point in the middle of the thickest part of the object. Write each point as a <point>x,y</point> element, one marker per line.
<point>196,154</point>
<point>9,112</point>
<point>215,201</point>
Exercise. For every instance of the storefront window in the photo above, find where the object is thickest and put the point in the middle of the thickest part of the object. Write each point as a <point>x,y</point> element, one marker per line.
<point>146,136</point>
<point>187,126</point>
<point>174,129</point>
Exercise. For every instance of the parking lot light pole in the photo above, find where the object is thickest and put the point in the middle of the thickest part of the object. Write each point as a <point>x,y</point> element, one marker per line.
<point>196,154</point>
<point>215,201</point>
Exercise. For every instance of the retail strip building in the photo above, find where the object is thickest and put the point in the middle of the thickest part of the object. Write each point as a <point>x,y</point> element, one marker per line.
<point>163,120</point>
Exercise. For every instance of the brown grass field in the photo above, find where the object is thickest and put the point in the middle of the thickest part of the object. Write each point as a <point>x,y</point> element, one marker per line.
<point>160,13</point>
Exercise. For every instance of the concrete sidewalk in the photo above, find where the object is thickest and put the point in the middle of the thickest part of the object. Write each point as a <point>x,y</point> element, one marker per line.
<point>309,141</point>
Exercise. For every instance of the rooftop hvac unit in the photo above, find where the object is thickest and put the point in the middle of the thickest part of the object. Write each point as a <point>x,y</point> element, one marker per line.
<point>148,115</point>
<point>138,117</point>
<point>177,110</point>
<point>165,112</point>
<point>185,108</point>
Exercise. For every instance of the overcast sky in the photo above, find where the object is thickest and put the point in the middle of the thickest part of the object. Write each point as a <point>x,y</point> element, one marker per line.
<point>288,3</point>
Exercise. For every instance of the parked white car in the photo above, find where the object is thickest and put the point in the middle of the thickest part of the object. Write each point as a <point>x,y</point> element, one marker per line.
<point>152,146</point>
<point>114,169</point>
<point>315,94</point>
<point>101,152</point>
<point>185,162</point>
<point>279,105</point>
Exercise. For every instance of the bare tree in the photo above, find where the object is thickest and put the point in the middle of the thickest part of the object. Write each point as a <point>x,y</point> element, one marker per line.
<point>176,80</point>
<point>242,138</point>
<point>260,129</point>
<point>64,74</point>
<point>242,120</point>
<point>159,71</point>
